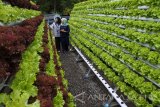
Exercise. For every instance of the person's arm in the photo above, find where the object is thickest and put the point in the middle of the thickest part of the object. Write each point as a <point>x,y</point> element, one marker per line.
<point>61,30</point>
<point>67,30</point>
<point>52,25</point>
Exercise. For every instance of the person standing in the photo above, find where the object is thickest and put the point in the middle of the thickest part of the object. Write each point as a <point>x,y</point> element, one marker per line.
<point>64,34</point>
<point>56,32</point>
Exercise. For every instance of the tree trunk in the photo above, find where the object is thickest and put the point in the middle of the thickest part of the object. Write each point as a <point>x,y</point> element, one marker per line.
<point>55,4</point>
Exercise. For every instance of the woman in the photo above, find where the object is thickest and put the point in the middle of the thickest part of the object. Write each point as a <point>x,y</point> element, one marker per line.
<point>56,32</point>
<point>64,34</point>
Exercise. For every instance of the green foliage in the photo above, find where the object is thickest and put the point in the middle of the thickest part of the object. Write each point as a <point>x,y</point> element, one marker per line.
<point>93,40</point>
<point>109,73</point>
<point>65,83</point>
<point>122,39</point>
<point>13,14</point>
<point>58,6</point>
<point>155,95</point>
<point>50,67</point>
<point>58,100</point>
<point>71,100</point>
<point>117,52</point>
<point>22,85</point>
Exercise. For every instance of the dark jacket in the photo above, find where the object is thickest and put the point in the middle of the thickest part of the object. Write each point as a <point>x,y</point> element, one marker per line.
<point>66,28</point>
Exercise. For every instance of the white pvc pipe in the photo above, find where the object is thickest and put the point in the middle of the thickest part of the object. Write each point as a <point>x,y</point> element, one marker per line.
<point>111,91</point>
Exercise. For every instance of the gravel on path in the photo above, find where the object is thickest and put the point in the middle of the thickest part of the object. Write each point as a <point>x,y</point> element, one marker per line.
<point>88,92</point>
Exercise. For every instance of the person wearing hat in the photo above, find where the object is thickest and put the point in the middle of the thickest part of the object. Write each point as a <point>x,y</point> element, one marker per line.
<point>64,34</point>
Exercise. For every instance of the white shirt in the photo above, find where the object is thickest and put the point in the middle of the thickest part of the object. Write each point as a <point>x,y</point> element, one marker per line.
<point>56,29</point>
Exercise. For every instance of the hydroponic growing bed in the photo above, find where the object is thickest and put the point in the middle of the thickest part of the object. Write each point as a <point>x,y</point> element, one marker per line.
<point>122,38</point>
<point>30,69</point>
<point>119,37</point>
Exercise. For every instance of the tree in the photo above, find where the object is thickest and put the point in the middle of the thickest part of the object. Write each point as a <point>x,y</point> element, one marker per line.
<point>59,6</point>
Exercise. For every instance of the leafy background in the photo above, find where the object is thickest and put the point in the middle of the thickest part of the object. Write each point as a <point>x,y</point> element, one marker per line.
<point>57,6</point>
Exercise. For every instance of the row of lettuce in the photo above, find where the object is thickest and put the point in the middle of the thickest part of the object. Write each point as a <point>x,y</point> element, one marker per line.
<point>122,45</point>
<point>111,4</point>
<point>38,79</point>
<point>15,14</point>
